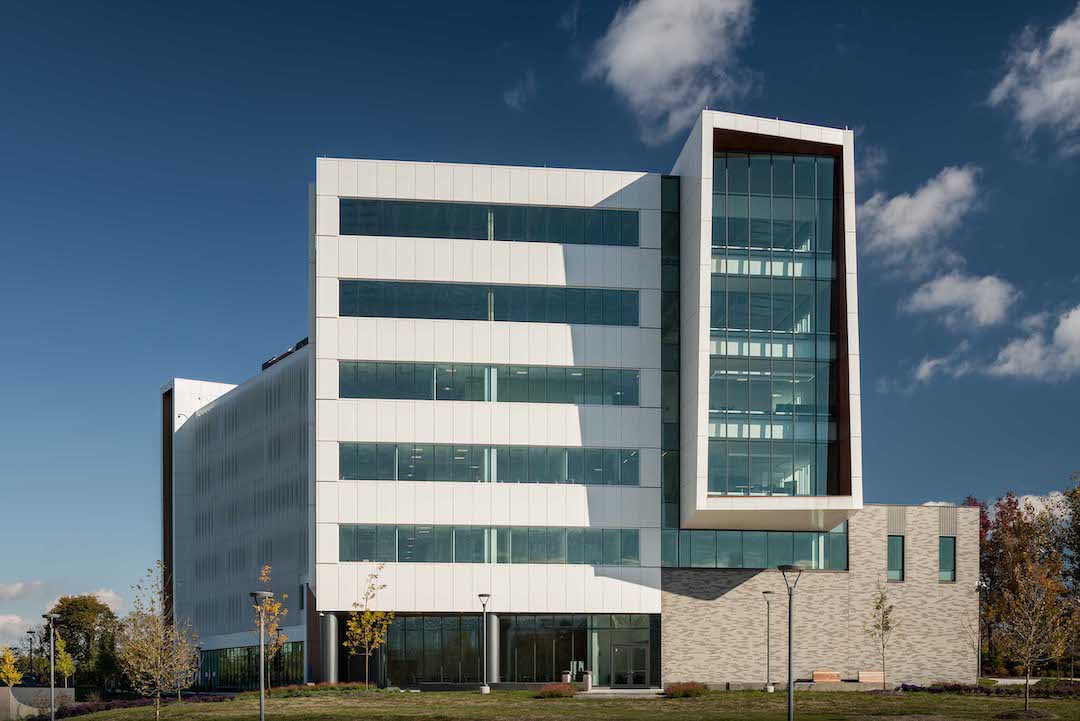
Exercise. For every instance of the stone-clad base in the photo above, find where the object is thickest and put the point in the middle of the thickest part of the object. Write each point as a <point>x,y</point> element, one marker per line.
<point>713,620</point>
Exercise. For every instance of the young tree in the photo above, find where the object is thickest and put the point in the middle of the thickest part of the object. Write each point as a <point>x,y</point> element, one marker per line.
<point>65,665</point>
<point>366,629</point>
<point>881,626</point>
<point>159,654</point>
<point>272,612</point>
<point>972,629</point>
<point>1032,624</point>
<point>8,673</point>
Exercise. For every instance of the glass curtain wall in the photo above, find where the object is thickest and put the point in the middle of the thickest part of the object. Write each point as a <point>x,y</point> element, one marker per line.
<point>237,669</point>
<point>534,648</point>
<point>669,349</point>
<point>488,464</point>
<point>475,221</point>
<point>772,387</point>
<point>813,550</point>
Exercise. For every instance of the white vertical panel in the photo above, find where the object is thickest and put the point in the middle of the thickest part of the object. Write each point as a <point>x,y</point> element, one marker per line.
<point>425,181</point>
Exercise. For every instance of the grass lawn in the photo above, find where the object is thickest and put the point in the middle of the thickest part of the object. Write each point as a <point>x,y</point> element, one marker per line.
<point>521,706</point>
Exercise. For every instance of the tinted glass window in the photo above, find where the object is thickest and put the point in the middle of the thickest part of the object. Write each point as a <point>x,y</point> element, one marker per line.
<point>515,384</point>
<point>470,301</point>
<point>472,221</point>
<point>896,558</point>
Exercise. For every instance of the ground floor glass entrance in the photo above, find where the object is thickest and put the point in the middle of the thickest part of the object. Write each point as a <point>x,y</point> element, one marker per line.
<point>538,648</point>
<point>620,650</point>
<point>629,665</point>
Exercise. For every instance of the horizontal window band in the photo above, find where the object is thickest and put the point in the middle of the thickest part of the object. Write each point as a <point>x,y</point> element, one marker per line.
<point>489,464</point>
<point>477,301</point>
<point>489,544</point>
<point>755,549</point>
<point>489,221</point>
<point>494,383</point>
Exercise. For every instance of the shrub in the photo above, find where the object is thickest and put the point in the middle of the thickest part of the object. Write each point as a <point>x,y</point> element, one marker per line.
<point>557,690</point>
<point>686,689</point>
<point>320,689</point>
<point>1051,689</point>
<point>987,682</point>
<point>82,709</point>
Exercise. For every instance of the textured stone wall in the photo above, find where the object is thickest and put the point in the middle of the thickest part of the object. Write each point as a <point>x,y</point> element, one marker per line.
<point>714,627</point>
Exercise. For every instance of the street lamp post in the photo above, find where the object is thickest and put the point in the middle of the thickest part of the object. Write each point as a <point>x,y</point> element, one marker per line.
<point>260,597</point>
<point>30,636</point>
<point>797,571</point>
<point>51,619</point>
<point>484,598</point>
<point>769,688</point>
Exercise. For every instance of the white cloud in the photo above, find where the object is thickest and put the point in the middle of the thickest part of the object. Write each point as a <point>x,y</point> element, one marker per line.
<point>19,590</point>
<point>1043,354</point>
<point>110,598</point>
<point>568,20</point>
<point>1042,83</point>
<point>965,300</point>
<point>524,90</point>
<point>12,628</point>
<point>908,231</point>
<point>1053,501</point>
<point>669,59</point>
<point>951,365</point>
<point>870,163</point>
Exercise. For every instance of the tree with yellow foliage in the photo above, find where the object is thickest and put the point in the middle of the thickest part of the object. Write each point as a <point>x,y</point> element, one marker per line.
<point>65,664</point>
<point>366,629</point>
<point>271,611</point>
<point>8,673</point>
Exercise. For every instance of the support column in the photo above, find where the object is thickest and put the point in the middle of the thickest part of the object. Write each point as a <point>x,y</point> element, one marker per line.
<point>328,632</point>
<point>492,648</point>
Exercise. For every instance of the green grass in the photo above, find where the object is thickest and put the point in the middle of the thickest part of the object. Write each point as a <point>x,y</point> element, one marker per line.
<point>522,706</point>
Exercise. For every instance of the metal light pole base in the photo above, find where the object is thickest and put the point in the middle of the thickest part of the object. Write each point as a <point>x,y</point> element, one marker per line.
<point>769,688</point>
<point>485,689</point>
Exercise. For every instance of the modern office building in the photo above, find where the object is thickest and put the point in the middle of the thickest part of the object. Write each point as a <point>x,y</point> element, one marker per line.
<point>614,401</point>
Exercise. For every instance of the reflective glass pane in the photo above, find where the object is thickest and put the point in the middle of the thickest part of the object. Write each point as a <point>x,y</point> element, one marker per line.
<point>629,227</point>
<point>612,228</point>
<point>738,167</point>
<point>755,549</point>
<point>629,474</point>
<point>783,176</point>
<point>760,221</point>
<point>805,172</point>
<point>574,226</point>
<point>729,549</point>
<point>703,549</point>
<point>760,174</point>
<point>612,546</point>
<point>594,546</point>
<point>631,552</point>
<point>781,548</point>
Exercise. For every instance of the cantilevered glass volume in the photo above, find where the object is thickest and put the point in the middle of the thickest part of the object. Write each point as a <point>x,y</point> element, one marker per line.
<point>773,329</point>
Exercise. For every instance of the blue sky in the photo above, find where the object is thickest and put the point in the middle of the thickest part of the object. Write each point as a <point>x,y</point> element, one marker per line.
<point>153,212</point>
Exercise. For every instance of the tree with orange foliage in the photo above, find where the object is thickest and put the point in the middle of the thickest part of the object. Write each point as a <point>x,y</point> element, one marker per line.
<point>271,612</point>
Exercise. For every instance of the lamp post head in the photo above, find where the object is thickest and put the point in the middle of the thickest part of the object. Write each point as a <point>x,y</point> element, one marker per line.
<point>768,596</point>
<point>50,617</point>
<point>261,596</point>
<point>787,568</point>
<point>484,598</point>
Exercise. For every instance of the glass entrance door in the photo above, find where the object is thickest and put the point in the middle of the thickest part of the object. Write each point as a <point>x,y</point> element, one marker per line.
<point>629,666</point>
